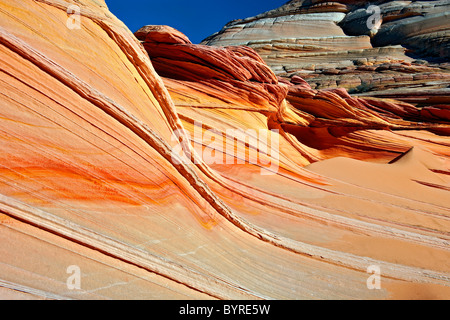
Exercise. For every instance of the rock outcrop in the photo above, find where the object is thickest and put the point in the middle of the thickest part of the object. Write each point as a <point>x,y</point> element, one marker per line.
<point>112,169</point>
<point>330,45</point>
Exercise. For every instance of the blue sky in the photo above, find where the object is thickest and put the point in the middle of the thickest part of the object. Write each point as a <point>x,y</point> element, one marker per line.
<point>195,18</point>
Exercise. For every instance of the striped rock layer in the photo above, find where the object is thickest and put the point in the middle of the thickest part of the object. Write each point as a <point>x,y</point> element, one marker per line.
<point>403,55</point>
<point>93,123</point>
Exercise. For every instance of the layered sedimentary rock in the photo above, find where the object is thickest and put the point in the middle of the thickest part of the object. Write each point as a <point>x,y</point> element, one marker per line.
<point>313,127</point>
<point>112,163</point>
<point>330,45</point>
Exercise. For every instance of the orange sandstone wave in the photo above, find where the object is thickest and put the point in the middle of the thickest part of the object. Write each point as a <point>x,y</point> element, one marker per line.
<point>90,118</point>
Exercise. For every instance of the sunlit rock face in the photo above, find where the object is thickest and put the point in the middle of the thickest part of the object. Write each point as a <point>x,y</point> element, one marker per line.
<point>123,163</point>
<point>383,48</point>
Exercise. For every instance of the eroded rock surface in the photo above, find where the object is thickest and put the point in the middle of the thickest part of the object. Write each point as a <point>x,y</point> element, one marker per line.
<point>92,177</point>
<point>330,45</point>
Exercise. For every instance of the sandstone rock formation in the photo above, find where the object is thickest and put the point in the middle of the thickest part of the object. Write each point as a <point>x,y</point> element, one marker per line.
<point>330,45</point>
<point>91,118</point>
